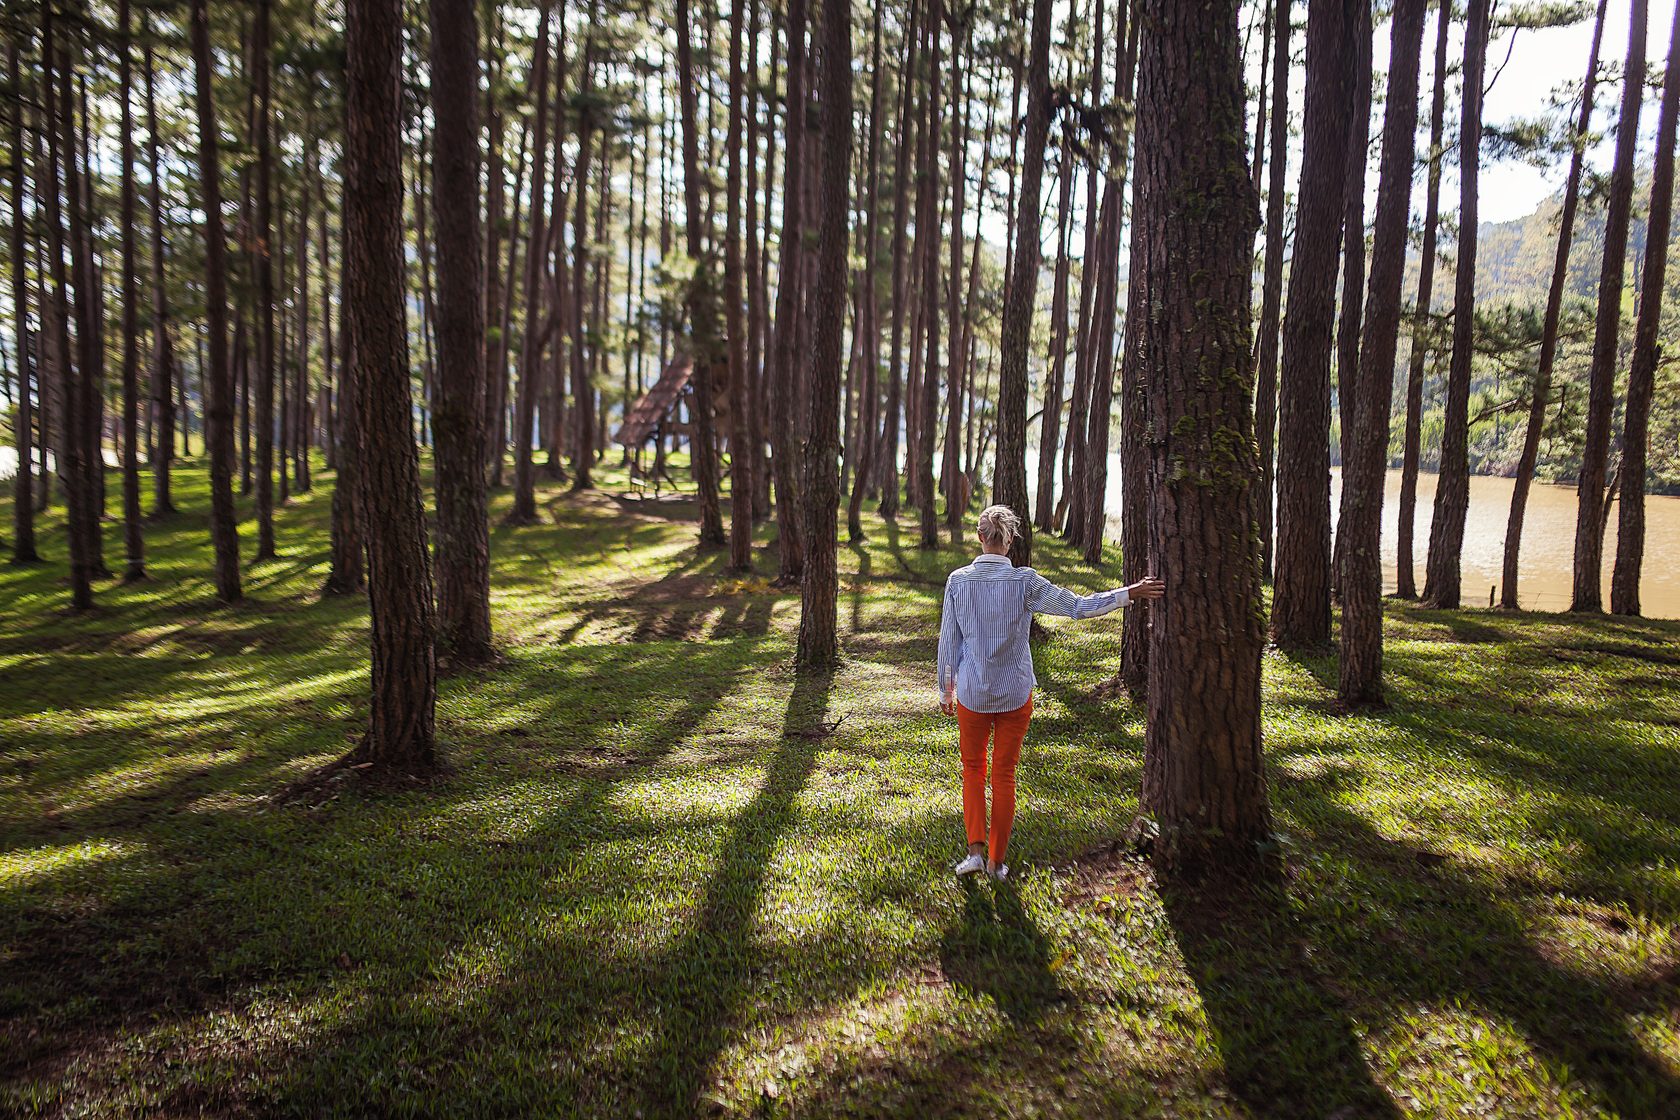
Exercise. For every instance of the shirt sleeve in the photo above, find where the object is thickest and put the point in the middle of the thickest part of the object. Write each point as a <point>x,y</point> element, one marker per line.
<point>950,645</point>
<point>1044,597</point>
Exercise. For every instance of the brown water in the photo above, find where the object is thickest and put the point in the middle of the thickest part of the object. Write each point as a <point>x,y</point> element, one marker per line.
<point>1548,546</point>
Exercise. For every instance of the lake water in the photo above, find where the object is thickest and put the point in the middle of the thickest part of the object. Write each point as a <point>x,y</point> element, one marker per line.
<point>1548,538</point>
<point>1548,547</point>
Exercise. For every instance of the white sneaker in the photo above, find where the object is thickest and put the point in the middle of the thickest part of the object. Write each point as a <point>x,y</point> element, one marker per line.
<point>972,865</point>
<point>1001,873</point>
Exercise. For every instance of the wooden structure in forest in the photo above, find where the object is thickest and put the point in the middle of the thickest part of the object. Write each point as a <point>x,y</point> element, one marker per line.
<point>655,416</point>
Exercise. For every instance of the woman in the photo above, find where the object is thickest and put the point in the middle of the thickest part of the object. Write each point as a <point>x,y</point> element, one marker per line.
<point>986,672</point>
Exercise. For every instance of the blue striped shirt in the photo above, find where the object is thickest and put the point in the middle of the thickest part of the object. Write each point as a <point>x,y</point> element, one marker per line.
<point>983,649</point>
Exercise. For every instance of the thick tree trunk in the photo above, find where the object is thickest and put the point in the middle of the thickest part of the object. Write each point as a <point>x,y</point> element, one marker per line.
<point>1271,284</point>
<point>1601,397</point>
<point>819,645</point>
<point>1412,437</point>
<point>1630,526</point>
<point>1301,602</point>
<point>218,408</point>
<point>463,535</point>
<point>400,738</point>
<point>1195,216</point>
<point>524,510</point>
<point>1010,478</point>
<point>1542,392</point>
<point>134,545</point>
<point>702,299</point>
<point>346,576</point>
<point>1367,440</point>
<point>28,345</point>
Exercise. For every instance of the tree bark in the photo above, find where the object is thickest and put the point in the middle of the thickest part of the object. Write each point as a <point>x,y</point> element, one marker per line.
<point>583,345</point>
<point>927,241</point>
<point>263,420</point>
<point>1195,216</point>
<point>1050,421</point>
<point>1271,285</point>
<point>869,414</point>
<point>134,545</point>
<point>819,645</point>
<point>1301,601</point>
<point>1010,481</point>
<point>463,535</point>
<point>784,447</point>
<point>907,123</point>
<point>218,410</point>
<point>742,449</point>
<point>1360,670</point>
<point>1542,392</point>
<point>400,736</point>
<point>1601,397</point>
<point>163,342</point>
<point>1412,438</point>
<point>28,345</point>
<point>702,311</point>
<point>524,510</point>
<point>1353,267</point>
<point>1630,526</point>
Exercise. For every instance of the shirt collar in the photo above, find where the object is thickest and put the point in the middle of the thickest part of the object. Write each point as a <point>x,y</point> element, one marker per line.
<point>991,558</point>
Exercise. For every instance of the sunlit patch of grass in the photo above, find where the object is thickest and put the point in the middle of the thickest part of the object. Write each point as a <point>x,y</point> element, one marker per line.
<point>665,875</point>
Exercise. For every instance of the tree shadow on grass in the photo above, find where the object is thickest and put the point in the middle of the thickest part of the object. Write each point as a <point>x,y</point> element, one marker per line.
<point>996,949</point>
<point>708,972</point>
<point>1437,931</point>
<point>1289,1046</point>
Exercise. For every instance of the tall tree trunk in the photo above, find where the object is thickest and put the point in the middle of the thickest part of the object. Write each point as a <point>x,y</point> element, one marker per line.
<point>1301,602</point>
<point>28,344</point>
<point>400,737</point>
<point>263,420</point>
<point>1010,479</point>
<point>869,414</point>
<point>1452,487</point>
<point>496,285</point>
<point>134,545</point>
<point>783,443</point>
<point>888,471</point>
<point>1194,225</point>
<point>1070,512</point>
<point>1095,481</point>
<point>956,499</point>
<point>1530,456</point>
<point>218,408</point>
<point>1353,266</point>
<point>524,510</point>
<point>1412,437</point>
<point>1271,284</point>
<point>1630,526</point>
<point>1601,398</point>
<point>163,343</point>
<point>346,577</point>
<point>819,645</point>
<point>463,535</point>
<point>742,448</point>
<point>583,346</point>
<point>927,240</point>
<point>702,297</point>
<point>1050,421</point>
<point>756,291</point>
<point>1367,440</point>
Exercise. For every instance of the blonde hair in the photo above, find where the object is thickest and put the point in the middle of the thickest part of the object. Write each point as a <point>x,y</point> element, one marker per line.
<point>999,526</point>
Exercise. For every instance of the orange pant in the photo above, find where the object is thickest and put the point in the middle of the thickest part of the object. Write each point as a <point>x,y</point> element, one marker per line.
<point>1006,730</point>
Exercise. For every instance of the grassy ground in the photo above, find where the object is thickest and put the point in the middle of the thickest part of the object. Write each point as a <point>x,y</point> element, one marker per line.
<point>653,886</point>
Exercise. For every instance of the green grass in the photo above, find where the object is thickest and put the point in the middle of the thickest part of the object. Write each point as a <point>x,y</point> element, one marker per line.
<point>640,890</point>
